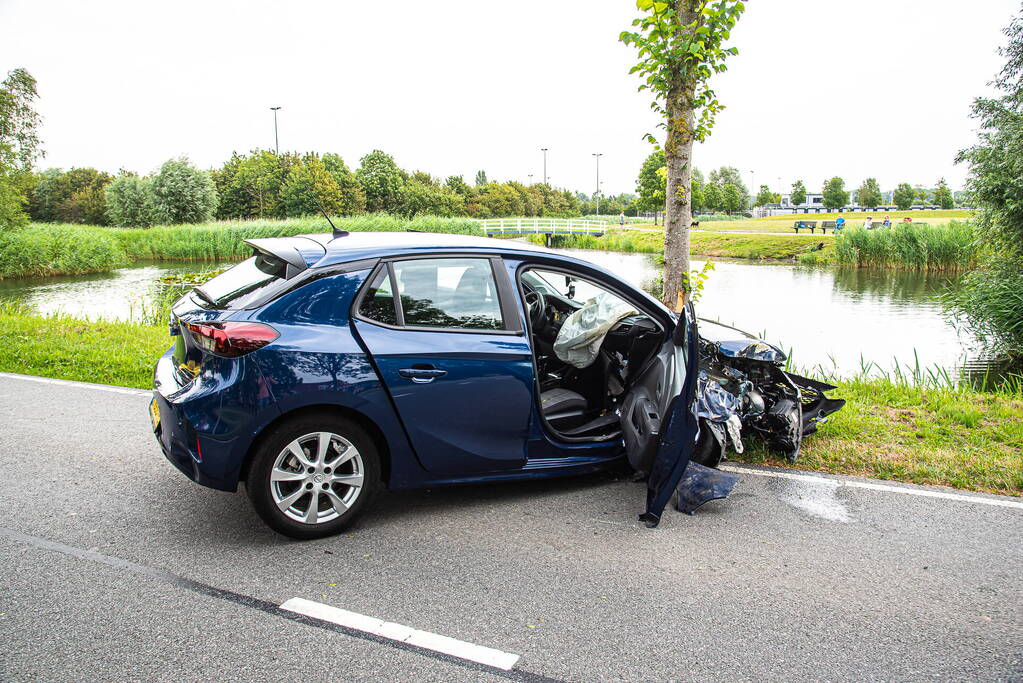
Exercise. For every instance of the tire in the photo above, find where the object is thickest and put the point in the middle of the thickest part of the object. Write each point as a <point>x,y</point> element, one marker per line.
<point>319,458</point>
<point>707,451</point>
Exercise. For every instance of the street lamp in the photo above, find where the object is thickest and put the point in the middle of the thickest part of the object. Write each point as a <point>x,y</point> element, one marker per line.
<point>530,178</point>
<point>544,150</point>
<point>597,193</point>
<point>277,147</point>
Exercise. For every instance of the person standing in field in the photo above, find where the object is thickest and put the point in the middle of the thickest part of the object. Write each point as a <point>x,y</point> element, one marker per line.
<point>621,219</point>
<point>868,223</point>
<point>839,222</point>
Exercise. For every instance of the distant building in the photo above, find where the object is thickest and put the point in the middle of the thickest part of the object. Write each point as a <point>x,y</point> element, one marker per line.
<point>815,204</point>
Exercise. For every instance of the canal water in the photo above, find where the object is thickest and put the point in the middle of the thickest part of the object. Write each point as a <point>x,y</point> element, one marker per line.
<point>839,319</point>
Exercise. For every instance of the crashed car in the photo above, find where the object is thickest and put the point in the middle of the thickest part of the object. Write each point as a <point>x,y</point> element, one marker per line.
<point>326,368</point>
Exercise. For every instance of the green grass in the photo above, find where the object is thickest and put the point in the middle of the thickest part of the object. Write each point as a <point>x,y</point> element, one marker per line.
<point>63,249</point>
<point>896,430</point>
<point>87,351</point>
<point>947,247</point>
<point>905,428</point>
<point>725,245</point>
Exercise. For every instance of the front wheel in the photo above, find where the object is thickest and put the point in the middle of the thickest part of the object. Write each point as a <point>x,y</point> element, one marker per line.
<point>312,477</point>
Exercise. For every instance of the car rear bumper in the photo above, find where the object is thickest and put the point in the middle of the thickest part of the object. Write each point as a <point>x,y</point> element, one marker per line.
<point>208,459</point>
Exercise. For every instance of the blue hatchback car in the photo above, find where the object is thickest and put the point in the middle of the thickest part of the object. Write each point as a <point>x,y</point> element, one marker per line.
<point>328,367</point>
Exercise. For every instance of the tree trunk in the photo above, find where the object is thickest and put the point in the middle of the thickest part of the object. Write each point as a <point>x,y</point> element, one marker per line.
<point>678,151</point>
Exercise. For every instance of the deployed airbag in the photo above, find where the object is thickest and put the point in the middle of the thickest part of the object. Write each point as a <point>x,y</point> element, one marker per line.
<point>583,332</point>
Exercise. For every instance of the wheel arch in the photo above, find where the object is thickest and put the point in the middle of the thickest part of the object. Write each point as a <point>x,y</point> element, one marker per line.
<point>329,410</point>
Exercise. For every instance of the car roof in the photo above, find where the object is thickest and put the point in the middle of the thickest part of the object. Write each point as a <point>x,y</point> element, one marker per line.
<point>356,246</point>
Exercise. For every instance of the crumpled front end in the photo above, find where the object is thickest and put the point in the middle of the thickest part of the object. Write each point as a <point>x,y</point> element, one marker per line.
<point>743,391</point>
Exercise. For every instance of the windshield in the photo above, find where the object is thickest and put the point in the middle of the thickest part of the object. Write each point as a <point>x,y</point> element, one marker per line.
<point>240,285</point>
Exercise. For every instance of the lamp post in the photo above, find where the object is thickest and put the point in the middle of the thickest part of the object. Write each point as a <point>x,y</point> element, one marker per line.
<point>544,150</point>
<point>530,178</point>
<point>277,147</point>
<point>596,194</point>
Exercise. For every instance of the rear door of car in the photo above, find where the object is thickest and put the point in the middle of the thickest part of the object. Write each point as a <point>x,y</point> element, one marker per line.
<point>445,336</point>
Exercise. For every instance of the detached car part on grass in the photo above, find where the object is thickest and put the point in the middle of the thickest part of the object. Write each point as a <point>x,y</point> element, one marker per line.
<point>326,368</point>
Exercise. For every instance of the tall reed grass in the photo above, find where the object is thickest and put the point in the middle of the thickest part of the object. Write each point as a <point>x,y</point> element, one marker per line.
<point>65,249</point>
<point>42,250</point>
<point>915,246</point>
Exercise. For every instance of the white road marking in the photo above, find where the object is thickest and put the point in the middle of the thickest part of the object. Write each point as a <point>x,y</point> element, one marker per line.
<point>836,483</point>
<point>403,634</point>
<point>82,385</point>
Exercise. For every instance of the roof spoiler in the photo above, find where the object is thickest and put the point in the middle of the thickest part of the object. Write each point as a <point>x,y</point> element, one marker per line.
<point>298,253</point>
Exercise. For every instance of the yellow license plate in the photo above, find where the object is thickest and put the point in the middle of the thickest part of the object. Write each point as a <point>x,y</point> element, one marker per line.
<point>154,413</point>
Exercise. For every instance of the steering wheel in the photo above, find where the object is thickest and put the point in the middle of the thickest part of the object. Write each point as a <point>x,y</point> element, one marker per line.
<point>536,304</point>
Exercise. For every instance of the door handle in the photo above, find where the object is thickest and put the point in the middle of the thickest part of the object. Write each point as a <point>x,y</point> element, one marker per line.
<point>423,374</point>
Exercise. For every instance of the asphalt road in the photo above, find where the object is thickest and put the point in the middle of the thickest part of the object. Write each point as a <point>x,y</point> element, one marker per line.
<point>113,566</point>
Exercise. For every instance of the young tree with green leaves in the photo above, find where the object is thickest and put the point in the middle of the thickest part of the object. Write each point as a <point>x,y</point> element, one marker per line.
<point>765,196</point>
<point>681,45</point>
<point>481,178</point>
<point>129,201</point>
<point>183,194</point>
<point>650,185</point>
<point>381,181</point>
<point>731,199</point>
<point>943,195</point>
<point>869,193</point>
<point>352,198</point>
<point>903,196</point>
<point>19,144</point>
<point>729,175</point>
<point>713,199</point>
<point>309,187</point>
<point>798,195</point>
<point>835,194</point>
<point>989,300</point>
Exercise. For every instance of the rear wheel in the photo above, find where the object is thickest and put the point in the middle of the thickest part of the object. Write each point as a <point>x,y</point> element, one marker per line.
<point>313,476</point>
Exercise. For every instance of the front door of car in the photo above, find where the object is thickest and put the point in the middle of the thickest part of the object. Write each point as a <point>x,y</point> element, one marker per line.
<point>445,339</point>
<point>658,421</point>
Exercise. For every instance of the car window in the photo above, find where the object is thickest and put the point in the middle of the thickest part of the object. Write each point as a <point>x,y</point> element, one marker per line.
<point>237,286</point>
<point>572,288</point>
<point>378,304</point>
<point>449,293</point>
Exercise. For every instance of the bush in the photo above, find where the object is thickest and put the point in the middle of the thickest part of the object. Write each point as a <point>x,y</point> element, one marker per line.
<point>989,302</point>
<point>183,194</point>
<point>129,200</point>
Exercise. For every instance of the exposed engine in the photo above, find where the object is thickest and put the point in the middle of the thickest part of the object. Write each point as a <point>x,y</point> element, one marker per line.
<point>743,390</point>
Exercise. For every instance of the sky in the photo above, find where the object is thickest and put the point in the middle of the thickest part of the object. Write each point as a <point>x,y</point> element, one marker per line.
<point>820,88</point>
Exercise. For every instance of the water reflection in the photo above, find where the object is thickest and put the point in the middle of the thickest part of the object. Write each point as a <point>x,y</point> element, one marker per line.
<point>122,294</point>
<point>839,319</point>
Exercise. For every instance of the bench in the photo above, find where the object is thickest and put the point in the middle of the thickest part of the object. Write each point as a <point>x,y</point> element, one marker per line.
<point>812,225</point>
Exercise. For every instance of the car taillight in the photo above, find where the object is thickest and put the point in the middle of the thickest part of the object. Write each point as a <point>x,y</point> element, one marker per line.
<point>231,339</point>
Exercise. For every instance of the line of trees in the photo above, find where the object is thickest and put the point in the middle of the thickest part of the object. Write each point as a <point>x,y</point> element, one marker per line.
<point>835,196</point>
<point>263,184</point>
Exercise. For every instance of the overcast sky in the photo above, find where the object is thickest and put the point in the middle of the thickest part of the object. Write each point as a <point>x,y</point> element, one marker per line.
<point>869,88</point>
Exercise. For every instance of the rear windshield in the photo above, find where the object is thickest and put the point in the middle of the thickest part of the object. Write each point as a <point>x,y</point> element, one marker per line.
<point>244,283</point>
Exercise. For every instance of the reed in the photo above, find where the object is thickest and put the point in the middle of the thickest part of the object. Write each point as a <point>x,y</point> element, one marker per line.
<point>917,246</point>
<point>43,250</point>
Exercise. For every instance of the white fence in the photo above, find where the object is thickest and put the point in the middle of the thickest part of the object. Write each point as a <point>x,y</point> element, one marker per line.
<point>542,226</point>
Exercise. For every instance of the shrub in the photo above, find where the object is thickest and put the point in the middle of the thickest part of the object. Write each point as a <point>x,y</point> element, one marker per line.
<point>183,194</point>
<point>129,200</point>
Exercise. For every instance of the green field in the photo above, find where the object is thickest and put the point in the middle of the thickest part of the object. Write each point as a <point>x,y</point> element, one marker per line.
<point>889,429</point>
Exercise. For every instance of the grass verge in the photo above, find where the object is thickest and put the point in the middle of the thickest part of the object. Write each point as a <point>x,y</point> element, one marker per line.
<point>952,437</point>
<point>889,429</point>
